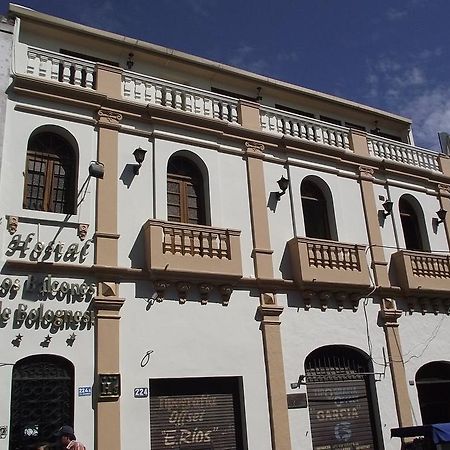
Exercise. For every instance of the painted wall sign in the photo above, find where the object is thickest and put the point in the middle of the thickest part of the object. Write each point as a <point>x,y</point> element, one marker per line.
<point>49,252</point>
<point>41,317</point>
<point>84,391</point>
<point>141,392</point>
<point>46,288</point>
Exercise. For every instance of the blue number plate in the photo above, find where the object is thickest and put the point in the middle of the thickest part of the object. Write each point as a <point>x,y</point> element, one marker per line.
<point>140,392</point>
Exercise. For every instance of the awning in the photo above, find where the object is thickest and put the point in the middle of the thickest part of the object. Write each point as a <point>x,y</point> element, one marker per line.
<point>439,432</point>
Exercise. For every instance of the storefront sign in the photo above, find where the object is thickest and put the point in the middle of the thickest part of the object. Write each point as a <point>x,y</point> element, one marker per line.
<point>84,391</point>
<point>52,251</point>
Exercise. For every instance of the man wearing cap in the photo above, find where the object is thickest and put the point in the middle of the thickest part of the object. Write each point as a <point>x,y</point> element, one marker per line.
<point>68,440</point>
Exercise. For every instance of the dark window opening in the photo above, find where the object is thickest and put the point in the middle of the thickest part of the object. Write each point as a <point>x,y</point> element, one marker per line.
<point>410,226</point>
<point>380,133</point>
<point>294,111</point>
<point>185,194</point>
<point>88,57</point>
<point>50,174</point>
<point>355,126</point>
<point>41,400</point>
<point>330,120</point>
<point>315,211</point>
<point>433,390</point>
<point>233,94</point>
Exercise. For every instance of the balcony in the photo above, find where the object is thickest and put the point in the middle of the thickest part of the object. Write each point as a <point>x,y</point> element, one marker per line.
<point>147,90</point>
<point>316,261</point>
<point>178,249</point>
<point>421,270</point>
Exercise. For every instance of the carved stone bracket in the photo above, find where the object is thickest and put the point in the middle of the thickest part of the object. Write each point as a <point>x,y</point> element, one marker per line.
<point>324,299</point>
<point>366,173</point>
<point>308,296</point>
<point>12,223</point>
<point>225,292</point>
<point>183,288</point>
<point>389,312</point>
<point>83,230</point>
<point>444,190</point>
<point>160,288</point>
<point>107,289</point>
<point>254,148</point>
<point>204,290</point>
<point>341,298</point>
<point>109,116</point>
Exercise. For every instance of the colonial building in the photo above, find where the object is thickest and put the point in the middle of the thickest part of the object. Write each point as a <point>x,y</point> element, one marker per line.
<point>198,257</point>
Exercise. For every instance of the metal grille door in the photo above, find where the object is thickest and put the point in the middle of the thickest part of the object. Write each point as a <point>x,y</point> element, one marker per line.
<point>41,399</point>
<point>340,404</point>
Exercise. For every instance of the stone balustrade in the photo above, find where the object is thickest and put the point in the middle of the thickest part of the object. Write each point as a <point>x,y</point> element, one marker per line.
<point>403,153</point>
<point>60,68</point>
<point>173,248</point>
<point>276,121</point>
<point>154,91</point>
<point>317,261</point>
<point>421,270</point>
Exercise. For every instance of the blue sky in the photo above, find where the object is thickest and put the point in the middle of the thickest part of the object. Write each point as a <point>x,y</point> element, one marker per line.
<point>389,54</point>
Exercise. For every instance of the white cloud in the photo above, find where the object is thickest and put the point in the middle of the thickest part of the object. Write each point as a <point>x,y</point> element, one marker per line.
<point>395,14</point>
<point>246,57</point>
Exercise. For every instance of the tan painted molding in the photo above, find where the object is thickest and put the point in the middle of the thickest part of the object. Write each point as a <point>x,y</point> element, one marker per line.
<point>366,173</point>
<point>108,117</point>
<point>358,142</point>
<point>102,234</point>
<point>255,149</point>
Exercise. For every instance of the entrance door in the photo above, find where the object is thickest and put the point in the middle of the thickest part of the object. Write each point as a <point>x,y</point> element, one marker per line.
<point>41,399</point>
<point>340,401</point>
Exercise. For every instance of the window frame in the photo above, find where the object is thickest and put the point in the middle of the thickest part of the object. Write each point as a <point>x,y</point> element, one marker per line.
<point>65,156</point>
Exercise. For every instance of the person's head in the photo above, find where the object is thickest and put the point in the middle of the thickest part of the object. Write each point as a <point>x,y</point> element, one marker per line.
<point>65,434</point>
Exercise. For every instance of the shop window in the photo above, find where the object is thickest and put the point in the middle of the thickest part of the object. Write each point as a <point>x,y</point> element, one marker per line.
<point>197,414</point>
<point>185,192</point>
<point>342,402</point>
<point>413,224</point>
<point>433,390</point>
<point>50,174</point>
<point>318,211</point>
<point>41,399</point>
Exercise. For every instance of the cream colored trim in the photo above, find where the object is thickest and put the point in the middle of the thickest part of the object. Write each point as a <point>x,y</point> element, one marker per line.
<point>48,112</point>
<point>276,383</point>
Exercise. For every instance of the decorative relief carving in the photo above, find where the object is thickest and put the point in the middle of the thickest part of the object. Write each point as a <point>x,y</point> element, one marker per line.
<point>109,386</point>
<point>324,299</point>
<point>225,292</point>
<point>83,230</point>
<point>160,288</point>
<point>444,190</point>
<point>204,290</point>
<point>109,116</point>
<point>307,298</point>
<point>12,223</point>
<point>341,298</point>
<point>268,299</point>
<point>255,148</point>
<point>107,289</point>
<point>183,288</point>
<point>365,172</point>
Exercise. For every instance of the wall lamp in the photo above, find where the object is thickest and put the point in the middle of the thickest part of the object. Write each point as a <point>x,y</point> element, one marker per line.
<point>283,183</point>
<point>387,205</point>
<point>442,213</point>
<point>139,156</point>
<point>96,169</point>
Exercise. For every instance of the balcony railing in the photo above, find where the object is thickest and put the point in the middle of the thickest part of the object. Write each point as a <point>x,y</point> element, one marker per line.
<point>404,153</point>
<point>275,121</point>
<point>421,270</point>
<point>320,261</point>
<point>61,68</point>
<point>155,91</point>
<point>184,248</point>
<point>148,90</point>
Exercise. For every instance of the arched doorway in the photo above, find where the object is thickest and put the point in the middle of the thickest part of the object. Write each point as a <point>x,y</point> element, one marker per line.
<point>41,399</point>
<point>433,390</point>
<point>341,398</point>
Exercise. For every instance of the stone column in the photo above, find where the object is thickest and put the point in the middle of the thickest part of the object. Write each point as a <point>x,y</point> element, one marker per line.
<point>268,311</point>
<point>389,316</point>
<point>107,303</point>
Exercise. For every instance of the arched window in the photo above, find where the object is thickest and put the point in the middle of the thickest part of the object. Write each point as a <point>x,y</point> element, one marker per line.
<point>433,390</point>
<point>41,399</point>
<point>50,179</point>
<point>185,192</point>
<point>316,211</point>
<point>413,224</point>
<point>342,402</point>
